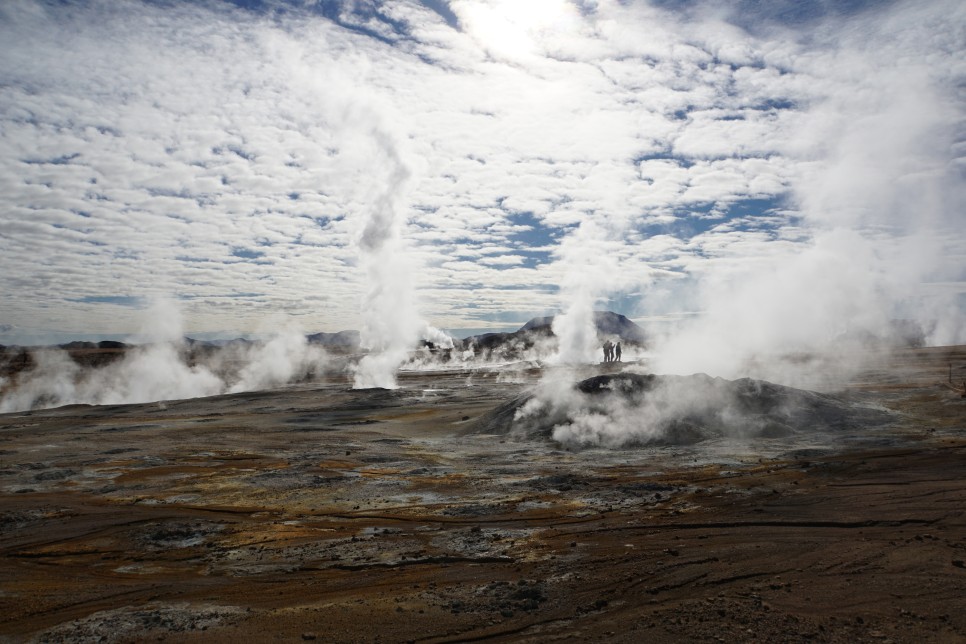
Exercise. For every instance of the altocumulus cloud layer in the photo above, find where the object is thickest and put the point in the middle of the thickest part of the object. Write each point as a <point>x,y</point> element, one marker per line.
<point>787,173</point>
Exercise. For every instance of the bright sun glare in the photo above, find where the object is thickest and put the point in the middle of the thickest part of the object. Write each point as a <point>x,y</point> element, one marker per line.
<point>514,28</point>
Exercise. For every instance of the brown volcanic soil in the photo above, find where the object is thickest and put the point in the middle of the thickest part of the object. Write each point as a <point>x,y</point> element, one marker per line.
<point>317,512</point>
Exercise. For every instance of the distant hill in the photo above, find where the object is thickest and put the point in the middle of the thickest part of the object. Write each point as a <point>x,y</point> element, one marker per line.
<point>103,344</point>
<point>537,323</point>
<point>77,344</point>
<point>342,339</point>
<point>609,325</point>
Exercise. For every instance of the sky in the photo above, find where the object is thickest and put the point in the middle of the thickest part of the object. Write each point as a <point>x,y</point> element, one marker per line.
<point>786,170</point>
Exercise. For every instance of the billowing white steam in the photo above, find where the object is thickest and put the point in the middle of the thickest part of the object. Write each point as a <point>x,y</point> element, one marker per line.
<point>881,192</point>
<point>285,357</point>
<point>641,409</point>
<point>391,324</point>
<point>159,369</point>
<point>618,420</point>
<point>589,273</point>
<point>877,187</point>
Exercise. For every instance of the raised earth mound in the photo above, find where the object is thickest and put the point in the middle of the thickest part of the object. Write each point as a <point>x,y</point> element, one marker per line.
<point>630,409</point>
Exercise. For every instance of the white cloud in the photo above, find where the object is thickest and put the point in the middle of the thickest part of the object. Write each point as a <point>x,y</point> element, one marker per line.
<point>225,156</point>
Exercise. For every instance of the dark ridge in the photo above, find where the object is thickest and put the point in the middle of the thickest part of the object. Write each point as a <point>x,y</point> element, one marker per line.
<point>610,325</point>
<point>343,339</point>
<point>607,323</point>
<point>77,344</point>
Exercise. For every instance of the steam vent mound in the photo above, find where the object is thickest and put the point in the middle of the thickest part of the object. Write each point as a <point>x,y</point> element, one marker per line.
<point>622,410</point>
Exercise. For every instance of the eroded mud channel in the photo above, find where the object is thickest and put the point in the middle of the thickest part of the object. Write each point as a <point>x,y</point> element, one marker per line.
<point>318,512</point>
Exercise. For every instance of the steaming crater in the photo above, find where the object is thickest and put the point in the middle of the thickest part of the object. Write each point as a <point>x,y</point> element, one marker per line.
<point>629,409</point>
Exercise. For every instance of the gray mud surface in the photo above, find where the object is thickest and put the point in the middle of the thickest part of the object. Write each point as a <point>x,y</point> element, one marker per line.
<point>316,512</point>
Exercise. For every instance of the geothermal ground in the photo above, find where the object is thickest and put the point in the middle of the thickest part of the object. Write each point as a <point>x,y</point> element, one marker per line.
<point>317,512</point>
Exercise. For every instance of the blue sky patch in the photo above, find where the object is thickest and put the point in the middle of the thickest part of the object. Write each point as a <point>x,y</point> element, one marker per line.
<point>130,301</point>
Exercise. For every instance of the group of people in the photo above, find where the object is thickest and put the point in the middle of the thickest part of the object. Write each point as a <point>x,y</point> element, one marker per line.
<point>612,352</point>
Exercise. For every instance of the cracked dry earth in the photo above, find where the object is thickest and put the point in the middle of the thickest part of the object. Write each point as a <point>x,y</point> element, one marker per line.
<point>321,513</point>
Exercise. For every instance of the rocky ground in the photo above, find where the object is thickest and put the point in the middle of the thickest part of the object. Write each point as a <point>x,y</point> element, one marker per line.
<point>320,513</point>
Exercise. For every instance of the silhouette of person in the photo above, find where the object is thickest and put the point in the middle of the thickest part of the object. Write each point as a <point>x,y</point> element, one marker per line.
<point>607,351</point>
<point>617,352</point>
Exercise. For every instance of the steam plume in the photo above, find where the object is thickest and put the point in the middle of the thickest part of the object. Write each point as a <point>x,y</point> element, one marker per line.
<point>390,324</point>
<point>880,193</point>
<point>160,369</point>
<point>589,274</point>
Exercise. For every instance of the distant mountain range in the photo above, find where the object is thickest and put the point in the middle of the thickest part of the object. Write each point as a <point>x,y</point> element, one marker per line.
<point>342,339</point>
<point>610,325</point>
<point>346,339</point>
<point>103,344</point>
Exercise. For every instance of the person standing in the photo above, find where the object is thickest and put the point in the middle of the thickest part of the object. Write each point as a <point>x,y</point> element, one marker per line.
<point>617,352</point>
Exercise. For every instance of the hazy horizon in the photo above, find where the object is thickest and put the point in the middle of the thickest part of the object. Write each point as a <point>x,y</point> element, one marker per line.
<point>14,337</point>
